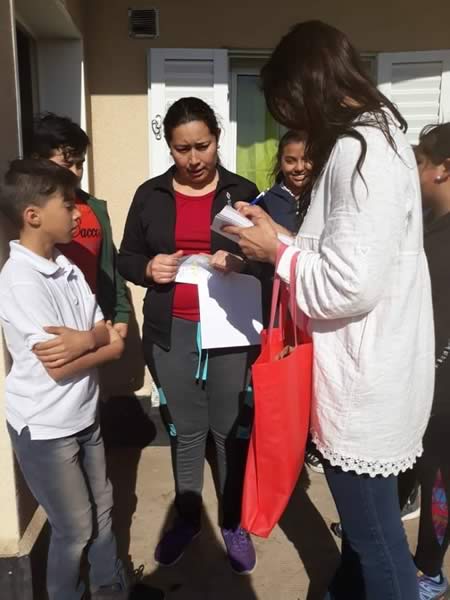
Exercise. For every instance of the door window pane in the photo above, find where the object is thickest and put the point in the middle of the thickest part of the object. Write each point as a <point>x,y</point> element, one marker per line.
<point>257,133</point>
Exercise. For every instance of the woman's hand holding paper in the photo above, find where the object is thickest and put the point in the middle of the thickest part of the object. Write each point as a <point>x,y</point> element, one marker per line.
<point>225,262</point>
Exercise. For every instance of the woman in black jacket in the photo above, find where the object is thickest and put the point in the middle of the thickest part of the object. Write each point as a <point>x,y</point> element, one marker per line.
<point>171,216</point>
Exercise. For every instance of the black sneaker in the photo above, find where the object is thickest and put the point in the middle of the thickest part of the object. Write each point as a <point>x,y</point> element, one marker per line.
<point>142,591</point>
<point>411,510</point>
<point>110,592</point>
<point>314,461</point>
<point>336,528</point>
<point>116,592</point>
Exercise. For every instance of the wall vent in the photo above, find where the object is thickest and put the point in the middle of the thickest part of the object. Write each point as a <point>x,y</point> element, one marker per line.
<point>143,23</point>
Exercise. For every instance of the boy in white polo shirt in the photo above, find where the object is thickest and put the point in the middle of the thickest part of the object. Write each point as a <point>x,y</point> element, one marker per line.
<point>51,393</point>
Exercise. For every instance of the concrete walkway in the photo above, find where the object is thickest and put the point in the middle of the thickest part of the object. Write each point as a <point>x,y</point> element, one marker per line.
<point>294,563</point>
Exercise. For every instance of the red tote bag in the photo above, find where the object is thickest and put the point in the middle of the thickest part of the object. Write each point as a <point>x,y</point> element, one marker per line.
<point>282,388</point>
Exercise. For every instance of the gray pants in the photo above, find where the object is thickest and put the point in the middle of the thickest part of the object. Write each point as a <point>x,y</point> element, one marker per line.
<point>67,476</point>
<point>194,408</point>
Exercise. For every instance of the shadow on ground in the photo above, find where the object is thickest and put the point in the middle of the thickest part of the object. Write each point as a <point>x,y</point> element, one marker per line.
<point>307,530</point>
<point>203,573</point>
<point>130,425</point>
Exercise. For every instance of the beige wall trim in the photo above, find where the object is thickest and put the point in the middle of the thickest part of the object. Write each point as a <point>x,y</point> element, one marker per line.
<point>32,531</point>
<point>16,75</point>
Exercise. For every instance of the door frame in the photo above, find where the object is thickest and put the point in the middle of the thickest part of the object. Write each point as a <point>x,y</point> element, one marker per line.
<point>234,75</point>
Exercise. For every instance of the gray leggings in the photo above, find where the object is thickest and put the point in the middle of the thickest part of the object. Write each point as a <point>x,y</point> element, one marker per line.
<point>193,408</point>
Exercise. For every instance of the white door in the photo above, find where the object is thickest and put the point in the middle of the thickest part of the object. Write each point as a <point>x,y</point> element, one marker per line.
<point>419,84</point>
<point>174,73</point>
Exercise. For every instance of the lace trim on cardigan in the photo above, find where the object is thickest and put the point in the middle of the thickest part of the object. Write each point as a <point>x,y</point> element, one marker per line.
<point>363,466</point>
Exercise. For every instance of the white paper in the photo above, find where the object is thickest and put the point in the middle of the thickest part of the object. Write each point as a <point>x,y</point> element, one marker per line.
<point>230,310</point>
<point>193,268</point>
<point>230,216</point>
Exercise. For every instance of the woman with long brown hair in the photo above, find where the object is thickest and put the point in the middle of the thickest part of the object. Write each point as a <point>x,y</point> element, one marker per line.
<point>362,279</point>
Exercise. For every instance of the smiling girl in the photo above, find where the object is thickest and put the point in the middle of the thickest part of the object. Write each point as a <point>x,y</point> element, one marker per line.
<point>288,199</point>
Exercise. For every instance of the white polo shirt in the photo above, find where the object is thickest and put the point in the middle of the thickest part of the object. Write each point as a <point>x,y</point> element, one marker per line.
<point>34,293</point>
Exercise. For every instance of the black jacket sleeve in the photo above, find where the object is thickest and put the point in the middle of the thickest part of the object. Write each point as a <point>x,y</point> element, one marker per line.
<point>251,191</point>
<point>133,254</point>
<point>262,271</point>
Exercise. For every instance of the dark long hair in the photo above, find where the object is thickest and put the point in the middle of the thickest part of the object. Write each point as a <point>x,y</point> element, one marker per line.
<point>316,82</point>
<point>289,137</point>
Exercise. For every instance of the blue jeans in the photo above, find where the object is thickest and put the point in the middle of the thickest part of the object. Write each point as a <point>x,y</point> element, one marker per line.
<point>376,563</point>
<point>67,476</point>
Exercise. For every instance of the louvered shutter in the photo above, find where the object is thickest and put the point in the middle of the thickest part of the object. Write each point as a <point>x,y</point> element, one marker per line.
<point>174,73</point>
<point>419,84</point>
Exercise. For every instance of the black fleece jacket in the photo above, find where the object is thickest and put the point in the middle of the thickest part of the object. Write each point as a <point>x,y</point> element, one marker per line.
<point>150,230</point>
<point>437,249</point>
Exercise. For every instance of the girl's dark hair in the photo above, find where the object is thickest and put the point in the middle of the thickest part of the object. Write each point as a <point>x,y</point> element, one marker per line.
<point>32,182</point>
<point>52,132</point>
<point>316,82</point>
<point>434,143</point>
<point>190,109</point>
<point>289,137</point>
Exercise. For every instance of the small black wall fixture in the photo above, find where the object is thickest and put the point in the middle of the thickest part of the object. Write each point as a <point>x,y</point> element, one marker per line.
<point>143,23</point>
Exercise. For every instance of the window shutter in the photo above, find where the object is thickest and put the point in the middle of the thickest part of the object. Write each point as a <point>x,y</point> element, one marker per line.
<point>174,73</point>
<point>419,84</point>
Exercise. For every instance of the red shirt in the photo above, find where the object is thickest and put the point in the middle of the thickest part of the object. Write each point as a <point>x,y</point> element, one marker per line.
<point>84,249</point>
<point>193,236</point>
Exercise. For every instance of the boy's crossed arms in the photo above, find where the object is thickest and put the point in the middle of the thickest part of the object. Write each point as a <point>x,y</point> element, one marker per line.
<point>72,351</point>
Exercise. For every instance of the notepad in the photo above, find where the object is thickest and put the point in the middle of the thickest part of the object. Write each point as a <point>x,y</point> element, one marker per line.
<point>230,216</point>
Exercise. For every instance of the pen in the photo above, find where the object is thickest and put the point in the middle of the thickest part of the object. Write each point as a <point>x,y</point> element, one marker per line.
<point>257,199</point>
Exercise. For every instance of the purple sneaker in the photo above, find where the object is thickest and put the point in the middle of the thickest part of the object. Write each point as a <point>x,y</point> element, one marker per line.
<point>174,542</point>
<point>240,550</point>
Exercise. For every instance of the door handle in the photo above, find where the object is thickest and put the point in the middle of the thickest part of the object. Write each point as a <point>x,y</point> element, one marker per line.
<point>157,127</point>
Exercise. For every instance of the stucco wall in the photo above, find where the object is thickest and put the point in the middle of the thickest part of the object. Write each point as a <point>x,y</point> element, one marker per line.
<point>17,504</point>
<point>117,76</point>
<point>9,514</point>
